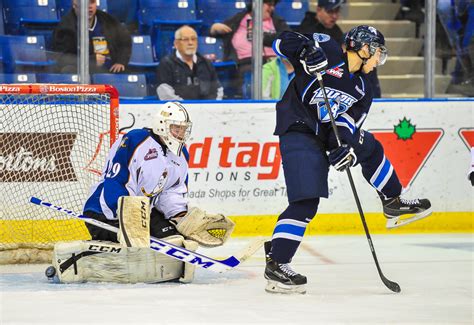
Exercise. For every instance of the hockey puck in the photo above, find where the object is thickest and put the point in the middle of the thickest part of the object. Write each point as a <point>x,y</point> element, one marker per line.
<point>50,272</point>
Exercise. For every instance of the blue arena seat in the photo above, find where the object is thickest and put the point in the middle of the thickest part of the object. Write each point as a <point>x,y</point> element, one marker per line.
<point>63,6</point>
<point>17,78</point>
<point>292,11</point>
<point>161,18</point>
<point>151,12</point>
<point>211,48</point>
<point>57,78</point>
<point>124,10</point>
<point>24,54</point>
<point>143,55</point>
<point>212,11</point>
<point>129,86</point>
<point>2,30</point>
<point>30,17</point>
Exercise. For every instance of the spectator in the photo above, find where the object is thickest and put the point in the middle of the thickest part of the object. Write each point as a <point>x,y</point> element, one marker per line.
<point>277,74</point>
<point>186,74</point>
<point>237,35</point>
<point>110,44</point>
<point>324,20</point>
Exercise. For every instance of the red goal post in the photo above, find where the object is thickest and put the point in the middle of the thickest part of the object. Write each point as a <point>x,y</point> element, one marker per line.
<point>54,140</point>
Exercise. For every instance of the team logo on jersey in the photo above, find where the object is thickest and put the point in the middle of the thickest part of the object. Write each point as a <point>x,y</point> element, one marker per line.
<point>159,187</point>
<point>335,72</point>
<point>339,101</point>
<point>320,38</point>
<point>151,154</point>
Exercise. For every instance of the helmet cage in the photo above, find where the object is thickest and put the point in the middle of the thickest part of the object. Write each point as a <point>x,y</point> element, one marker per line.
<point>182,126</point>
<point>373,46</point>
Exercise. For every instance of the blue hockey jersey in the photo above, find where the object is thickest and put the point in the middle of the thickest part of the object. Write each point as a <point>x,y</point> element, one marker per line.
<point>139,165</point>
<point>349,94</point>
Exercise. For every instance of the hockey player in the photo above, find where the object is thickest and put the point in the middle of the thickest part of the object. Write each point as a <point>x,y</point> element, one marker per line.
<point>305,133</point>
<point>145,168</point>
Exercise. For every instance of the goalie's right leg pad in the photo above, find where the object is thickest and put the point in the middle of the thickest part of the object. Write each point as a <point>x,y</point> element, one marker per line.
<point>97,261</point>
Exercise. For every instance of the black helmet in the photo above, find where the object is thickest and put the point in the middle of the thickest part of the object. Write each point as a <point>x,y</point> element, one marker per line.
<point>358,36</point>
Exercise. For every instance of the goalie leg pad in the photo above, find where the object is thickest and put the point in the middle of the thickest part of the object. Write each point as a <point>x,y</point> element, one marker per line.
<point>134,219</point>
<point>98,261</point>
<point>209,230</point>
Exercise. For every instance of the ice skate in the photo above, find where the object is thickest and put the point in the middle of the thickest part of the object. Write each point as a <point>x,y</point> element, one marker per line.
<point>400,211</point>
<point>281,278</point>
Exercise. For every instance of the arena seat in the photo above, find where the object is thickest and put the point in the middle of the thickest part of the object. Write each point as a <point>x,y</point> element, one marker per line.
<point>17,78</point>
<point>129,86</point>
<point>152,12</point>
<point>142,52</point>
<point>57,78</point>
<point>30,17</point>
<point>24,54</point>
<point>292,11</point>
<point>124,10</point>
<point>211,48</point>
<point>161,18</point>
<point>213,11</point>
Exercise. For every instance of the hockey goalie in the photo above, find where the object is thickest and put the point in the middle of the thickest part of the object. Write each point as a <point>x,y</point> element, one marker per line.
<point>142,192</point>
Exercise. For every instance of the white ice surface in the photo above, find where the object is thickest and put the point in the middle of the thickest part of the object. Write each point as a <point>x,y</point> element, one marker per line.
<point>435,273</point>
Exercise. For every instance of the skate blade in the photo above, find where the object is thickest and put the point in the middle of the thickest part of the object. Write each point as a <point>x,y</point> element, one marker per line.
<point>399,222</point>
<point>277,287</point>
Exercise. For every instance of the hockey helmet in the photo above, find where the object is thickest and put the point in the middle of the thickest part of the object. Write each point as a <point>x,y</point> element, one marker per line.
<point>173,125</point>
<point>359,36</point>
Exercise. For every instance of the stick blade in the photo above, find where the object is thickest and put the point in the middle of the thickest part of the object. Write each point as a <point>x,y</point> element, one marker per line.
<point>391,285</point>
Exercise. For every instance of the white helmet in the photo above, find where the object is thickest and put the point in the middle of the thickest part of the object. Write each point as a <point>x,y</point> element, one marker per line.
<point>172,124</point>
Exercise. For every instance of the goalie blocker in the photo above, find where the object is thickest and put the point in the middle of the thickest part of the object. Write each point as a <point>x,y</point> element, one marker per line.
<point>132,261</point>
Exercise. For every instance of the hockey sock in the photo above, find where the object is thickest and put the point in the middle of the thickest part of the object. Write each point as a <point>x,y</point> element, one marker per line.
<point>379,172</point>
<point>290,228</point>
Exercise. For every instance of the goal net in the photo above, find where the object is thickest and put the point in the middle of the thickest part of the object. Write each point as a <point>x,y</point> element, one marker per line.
<point>53,143</point>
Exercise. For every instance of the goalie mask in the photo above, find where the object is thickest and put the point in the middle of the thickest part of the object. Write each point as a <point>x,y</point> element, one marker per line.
<point>173,125</point>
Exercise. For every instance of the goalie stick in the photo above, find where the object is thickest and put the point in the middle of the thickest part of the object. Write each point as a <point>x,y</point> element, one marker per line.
<point>163,247</point>
<point>389,284</point>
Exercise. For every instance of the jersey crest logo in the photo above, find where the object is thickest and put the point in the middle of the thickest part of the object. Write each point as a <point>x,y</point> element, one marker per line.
<point>339,101</point>
<point>159,187</point>
<point>335,72</point>
<point>151,154</point>
<point>321,38</point>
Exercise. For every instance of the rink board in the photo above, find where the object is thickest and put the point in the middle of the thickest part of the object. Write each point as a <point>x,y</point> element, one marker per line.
<point>235,166</point>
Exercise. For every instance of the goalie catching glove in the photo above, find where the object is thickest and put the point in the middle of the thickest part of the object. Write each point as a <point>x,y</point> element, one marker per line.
<point>209,230</point>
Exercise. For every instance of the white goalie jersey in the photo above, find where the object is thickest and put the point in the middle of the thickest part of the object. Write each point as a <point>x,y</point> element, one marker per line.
<point>139,165</point>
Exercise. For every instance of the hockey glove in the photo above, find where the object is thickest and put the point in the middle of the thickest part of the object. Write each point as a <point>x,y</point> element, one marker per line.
<point>342,157</point>
<point>312,58</point>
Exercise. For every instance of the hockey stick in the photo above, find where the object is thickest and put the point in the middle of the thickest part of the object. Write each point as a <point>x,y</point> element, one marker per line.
<point>163,247</point>
<point>389,284</point>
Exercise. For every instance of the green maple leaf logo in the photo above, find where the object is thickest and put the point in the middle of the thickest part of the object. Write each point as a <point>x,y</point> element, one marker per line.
<point>404,130</point>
